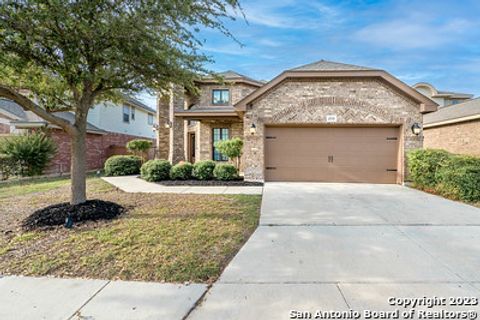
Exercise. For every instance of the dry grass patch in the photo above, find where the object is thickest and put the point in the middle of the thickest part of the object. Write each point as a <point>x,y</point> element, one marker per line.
<point>163,237</point>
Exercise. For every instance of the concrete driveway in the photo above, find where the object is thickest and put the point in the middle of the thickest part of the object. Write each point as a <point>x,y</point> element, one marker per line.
<point>343,247</point>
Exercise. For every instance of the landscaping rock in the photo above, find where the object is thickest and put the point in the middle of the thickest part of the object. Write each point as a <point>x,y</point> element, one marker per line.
<point>56,214</point>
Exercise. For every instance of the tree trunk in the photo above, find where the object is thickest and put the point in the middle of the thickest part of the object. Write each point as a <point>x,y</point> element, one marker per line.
<point>78,165</point>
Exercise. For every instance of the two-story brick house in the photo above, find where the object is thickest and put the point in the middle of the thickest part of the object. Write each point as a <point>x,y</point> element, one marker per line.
<point>324,121</point>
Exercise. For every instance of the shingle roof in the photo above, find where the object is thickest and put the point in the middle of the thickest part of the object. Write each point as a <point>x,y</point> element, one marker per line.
<point>138,103</point>
<point>233,76</point>
<point>324,65</point>
<point>28,116</point>
<point>12,108</point>
<point>196,108</point>
<point>456,111</point>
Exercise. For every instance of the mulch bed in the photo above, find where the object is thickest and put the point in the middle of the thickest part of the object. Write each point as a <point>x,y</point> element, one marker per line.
<point>239,182</point>
<point>55,215</point>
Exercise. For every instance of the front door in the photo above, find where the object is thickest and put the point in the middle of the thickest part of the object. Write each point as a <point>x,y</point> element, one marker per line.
<point>191,147</point>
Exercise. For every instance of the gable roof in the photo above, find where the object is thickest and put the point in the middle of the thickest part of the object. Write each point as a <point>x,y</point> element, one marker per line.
<point>465,111</point>
<point>434,93</point>
<point>138,104</point>
<point>10,108</point>
<point>230,76</point>
<point>339,70</point>
<point>25,119</point>
<point>325,65</point>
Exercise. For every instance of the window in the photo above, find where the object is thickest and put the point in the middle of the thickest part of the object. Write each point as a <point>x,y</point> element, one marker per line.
<point>219,134</point>
<point>150,119</point>
<point>220,96</point>
<point>132,113</point>
<point>126,114</point>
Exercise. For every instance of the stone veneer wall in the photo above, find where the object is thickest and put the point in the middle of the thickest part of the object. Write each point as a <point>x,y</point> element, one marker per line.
<point>204,146</point>
<point>353,101</point>
<point>178,129</point>
<point>163,133</point>
<point>461,138</point>
<point>171,141</point>
<point>237,92</point>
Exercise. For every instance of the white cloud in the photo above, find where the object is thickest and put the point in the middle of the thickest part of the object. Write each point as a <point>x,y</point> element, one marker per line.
<point>269,42</point>
<point>291,14</point>
<point>235,50</point>
<point>413,33</point>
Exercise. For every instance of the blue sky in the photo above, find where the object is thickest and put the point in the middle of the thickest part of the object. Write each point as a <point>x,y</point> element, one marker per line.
<point>432,41</point>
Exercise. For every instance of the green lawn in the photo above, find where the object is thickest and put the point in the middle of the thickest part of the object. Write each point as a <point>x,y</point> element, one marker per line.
<point>163,237</point>
<point>23,187</point>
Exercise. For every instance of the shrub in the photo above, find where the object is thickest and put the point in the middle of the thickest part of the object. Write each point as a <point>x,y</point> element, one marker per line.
<point>122,165</point>
<point>423,166</point>
<point>181,171</point>
<point>7,166</point>
<point>28,154</point>
<point>225,171</point>
<point>231,148</point>
<point>203,170</point>
<point>156,170</point>
<point>460,178</point>
<point>139,147</point>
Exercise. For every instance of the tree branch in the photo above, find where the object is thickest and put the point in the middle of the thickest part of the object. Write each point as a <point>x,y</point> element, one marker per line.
<point>29,105</point>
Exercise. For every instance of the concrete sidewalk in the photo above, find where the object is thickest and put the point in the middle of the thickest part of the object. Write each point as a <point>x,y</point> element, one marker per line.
<point>135,184</point>
<point>27,298</point>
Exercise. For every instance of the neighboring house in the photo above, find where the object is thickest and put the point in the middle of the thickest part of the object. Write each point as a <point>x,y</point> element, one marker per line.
<point>442,98</point>
<point>455,128</point>
<point>324,121</point>
<point>109,128</point>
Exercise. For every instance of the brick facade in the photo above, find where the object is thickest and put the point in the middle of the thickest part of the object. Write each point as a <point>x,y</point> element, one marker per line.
<point>461,138</point>
<point>171,142</point>
<point>204,147</point>
<point>237,92</point>
<point>99,148</point>
<point>4,128</point>
<point>365,102</point>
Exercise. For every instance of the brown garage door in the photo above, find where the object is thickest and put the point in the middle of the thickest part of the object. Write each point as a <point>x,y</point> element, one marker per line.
<point>331,154</point>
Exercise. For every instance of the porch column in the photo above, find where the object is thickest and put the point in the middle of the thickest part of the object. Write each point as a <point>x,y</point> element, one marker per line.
<point>163,118</point>
<point>177,131</point>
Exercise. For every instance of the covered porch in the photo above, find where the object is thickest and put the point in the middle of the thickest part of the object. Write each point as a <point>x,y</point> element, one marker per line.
<point>204,128</point>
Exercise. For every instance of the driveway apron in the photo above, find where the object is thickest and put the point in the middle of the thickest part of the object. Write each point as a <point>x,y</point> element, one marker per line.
<point>350,248</point>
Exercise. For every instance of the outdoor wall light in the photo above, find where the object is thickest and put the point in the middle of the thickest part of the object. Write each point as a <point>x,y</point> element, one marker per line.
<point>416,129</point>
<point>253,129</point>
<point>168,124</point>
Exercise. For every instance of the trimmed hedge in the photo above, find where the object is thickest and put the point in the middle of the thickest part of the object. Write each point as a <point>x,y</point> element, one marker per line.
<point>203,170</point>
<point>453,176</point>
<point>225,171</point>
<point>156,170</point>
<point>423,165</point>
<point>460,178</point>
<point>122,165</point>
<point>181,171</point>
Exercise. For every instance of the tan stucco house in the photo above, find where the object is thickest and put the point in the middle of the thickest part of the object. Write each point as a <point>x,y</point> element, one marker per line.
<point>325,121</point>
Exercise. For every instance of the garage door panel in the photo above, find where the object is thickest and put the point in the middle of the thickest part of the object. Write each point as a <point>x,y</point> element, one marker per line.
<point>336,154</point>
<point>386,163</point>
<point>299,162</point>
<point>353,175</point>
<point>298,174</point>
